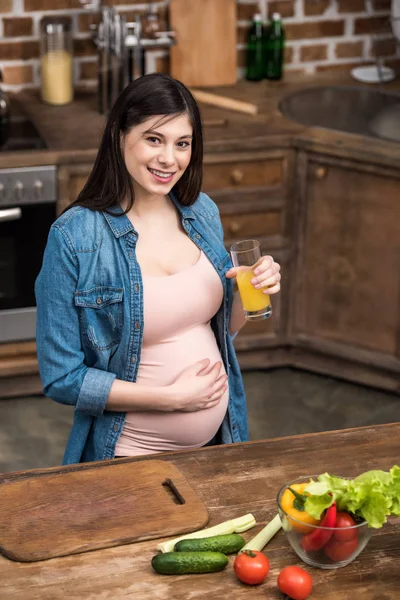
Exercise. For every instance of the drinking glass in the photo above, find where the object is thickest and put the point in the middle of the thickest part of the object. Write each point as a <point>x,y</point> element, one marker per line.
<point>256,304</point>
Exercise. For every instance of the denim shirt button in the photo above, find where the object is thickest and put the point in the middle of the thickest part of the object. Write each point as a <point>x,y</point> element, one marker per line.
<point>137,325</point>
<point>234,428</point>
<point>133,359</point>
<point>116,427</point>
<point>99,300</point>
<point>220,267</point>
<point>197,236</point>
<point>136,287</point>
<point>130,254</point>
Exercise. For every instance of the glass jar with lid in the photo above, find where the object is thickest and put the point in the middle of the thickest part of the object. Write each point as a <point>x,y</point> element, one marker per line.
<point>56,53</point>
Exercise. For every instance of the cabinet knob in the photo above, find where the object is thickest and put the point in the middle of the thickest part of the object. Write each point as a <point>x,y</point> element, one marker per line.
<point>237,176</point>
<point>321,172</point>
<point>234,226</point>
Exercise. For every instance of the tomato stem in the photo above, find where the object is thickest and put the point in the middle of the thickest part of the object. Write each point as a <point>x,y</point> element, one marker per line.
<point>249,553</point>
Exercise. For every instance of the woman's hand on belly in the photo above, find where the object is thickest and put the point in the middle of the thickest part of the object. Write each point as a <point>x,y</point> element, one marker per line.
<point>198,387</point>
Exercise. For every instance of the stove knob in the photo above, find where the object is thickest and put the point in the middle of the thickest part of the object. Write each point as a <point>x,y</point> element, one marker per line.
<point>19,190</point>
<point>38,187</point>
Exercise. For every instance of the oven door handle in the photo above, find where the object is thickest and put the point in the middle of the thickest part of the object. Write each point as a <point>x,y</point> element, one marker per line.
<point>10,214</point>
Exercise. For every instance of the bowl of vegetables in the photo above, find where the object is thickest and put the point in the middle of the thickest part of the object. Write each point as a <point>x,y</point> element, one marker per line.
<point>328,520</point>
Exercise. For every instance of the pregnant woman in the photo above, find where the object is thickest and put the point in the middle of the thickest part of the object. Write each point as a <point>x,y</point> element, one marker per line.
<point>135,305</point>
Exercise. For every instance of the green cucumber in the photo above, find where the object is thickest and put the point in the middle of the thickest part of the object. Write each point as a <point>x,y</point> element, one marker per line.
<point>227,544</point>
<point>179,563</point>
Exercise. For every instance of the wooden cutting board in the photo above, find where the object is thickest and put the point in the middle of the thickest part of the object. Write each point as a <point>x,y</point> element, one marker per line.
<point>205,52</point>
<point>61,511</point>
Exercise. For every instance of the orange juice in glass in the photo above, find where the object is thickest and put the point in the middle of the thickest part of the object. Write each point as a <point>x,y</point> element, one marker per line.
<point>256,304</point>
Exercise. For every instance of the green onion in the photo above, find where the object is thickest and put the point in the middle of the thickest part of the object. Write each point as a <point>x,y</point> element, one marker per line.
<point>264,536</point>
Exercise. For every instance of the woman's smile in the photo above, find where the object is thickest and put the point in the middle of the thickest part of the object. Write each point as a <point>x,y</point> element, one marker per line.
<point>162,176</point>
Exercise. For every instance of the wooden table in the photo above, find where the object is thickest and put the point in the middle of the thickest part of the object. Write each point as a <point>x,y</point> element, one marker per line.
<point>233,480</point>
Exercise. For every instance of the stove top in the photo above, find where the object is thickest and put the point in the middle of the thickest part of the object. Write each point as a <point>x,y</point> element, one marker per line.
<point>19,133</point>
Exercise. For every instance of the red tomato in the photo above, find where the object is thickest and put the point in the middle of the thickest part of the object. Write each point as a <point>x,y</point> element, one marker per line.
<point>251,566</point>
<point>343,519</point>
<point>295,583</point>
<point>338,551</point>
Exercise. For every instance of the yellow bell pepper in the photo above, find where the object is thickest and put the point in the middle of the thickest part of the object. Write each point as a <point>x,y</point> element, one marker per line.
<point>287,504</point>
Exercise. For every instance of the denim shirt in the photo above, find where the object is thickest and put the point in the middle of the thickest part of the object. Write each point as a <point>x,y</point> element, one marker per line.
<point>89,298</point>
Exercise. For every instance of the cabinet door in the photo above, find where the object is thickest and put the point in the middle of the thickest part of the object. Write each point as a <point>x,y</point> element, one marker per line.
<point>71,179</point>
<point>346,301</point>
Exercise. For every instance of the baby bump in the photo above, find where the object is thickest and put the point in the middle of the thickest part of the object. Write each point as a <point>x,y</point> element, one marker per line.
<point>161,365</point>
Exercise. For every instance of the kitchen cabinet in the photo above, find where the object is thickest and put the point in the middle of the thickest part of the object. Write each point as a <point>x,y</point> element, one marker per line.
<point>344,304</point>
<point>71,179</point>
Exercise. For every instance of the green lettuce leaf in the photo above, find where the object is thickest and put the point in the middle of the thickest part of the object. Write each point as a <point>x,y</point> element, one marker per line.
<point>395,488</point>
<point>372,496</point>
<point>315,505</point>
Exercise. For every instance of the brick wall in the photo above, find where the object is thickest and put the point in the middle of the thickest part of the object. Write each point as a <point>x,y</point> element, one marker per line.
<point>321,34</point>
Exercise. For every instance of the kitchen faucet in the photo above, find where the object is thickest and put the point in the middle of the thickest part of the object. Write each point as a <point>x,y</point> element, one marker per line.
<point>121,51</point>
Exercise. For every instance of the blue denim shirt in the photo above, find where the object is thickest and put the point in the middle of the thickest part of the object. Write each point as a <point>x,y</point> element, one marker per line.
<point>90,320</point>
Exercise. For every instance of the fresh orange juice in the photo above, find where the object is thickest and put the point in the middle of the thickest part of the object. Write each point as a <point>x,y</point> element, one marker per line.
<point>252,299</point>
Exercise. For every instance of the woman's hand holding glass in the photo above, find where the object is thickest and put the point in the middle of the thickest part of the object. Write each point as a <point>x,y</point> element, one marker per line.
<point>267,275</point>
<point>256,276</point>
<point>198,387</point>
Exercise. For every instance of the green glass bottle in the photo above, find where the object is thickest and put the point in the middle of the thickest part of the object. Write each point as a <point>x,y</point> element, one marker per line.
<point>274,42</point>
<point>255,53</point>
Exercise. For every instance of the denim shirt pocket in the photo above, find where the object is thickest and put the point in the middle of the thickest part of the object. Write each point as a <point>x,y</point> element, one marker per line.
<point>100,316</point>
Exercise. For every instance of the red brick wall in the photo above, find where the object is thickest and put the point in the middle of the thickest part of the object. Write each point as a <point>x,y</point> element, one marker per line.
<point>321,34</point>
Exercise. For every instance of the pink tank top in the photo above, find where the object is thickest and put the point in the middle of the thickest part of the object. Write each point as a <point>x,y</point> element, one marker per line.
<point>177,333</point>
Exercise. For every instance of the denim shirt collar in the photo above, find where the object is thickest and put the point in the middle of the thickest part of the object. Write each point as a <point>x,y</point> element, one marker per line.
<point>121,225</point>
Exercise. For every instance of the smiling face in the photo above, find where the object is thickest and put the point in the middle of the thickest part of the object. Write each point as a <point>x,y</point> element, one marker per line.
<point>157,153</point>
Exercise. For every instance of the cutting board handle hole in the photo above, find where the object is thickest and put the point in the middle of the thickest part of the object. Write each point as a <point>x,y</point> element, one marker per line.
<point>173,492</point>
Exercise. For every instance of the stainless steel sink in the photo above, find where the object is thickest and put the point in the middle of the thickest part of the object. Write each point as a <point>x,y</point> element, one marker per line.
<point>364,111</point>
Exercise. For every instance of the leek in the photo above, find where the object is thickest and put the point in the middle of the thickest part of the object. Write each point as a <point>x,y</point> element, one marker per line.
<point>232,526</point>
<point>264,536</point>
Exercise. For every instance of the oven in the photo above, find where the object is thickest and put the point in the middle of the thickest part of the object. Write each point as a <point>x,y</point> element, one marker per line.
<point>27,210</point>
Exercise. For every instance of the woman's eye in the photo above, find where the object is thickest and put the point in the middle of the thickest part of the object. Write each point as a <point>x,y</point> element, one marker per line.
<point>183,144</point>
<point>153,140</point>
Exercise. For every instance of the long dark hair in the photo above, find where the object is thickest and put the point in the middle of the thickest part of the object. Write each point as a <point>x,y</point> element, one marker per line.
<point>109,182</point>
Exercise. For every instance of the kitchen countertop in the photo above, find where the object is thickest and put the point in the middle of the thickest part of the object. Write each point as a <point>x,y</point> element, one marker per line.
<point>232,481</point>
<point>73,131</point>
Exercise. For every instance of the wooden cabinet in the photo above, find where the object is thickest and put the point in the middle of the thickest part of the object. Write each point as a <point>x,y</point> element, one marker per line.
<point>71,179</point>
<point>345,302</point>
<point>248,171</point>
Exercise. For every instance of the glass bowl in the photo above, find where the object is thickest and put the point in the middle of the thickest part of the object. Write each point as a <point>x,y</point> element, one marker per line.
<point>344,545</point>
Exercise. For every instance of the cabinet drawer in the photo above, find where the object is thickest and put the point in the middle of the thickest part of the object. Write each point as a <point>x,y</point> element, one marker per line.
<point>235,174</point>
<point>254,224</point>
